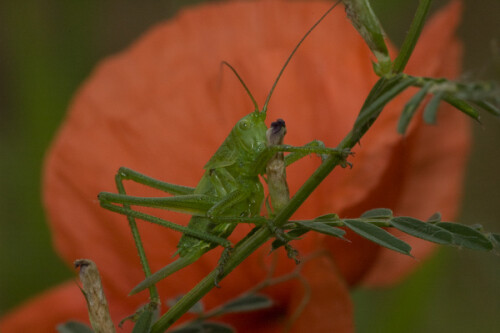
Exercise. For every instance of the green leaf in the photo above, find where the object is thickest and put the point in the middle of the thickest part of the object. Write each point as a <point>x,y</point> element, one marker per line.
<point>250,302</point>
<point>73,327</point>
<point>204,327</point>
<point>465,236</point>
<point>377,213</point>
<point>195,327</point>
<point>412,36</point>
<point>143,324</point>
<point>430,111</point>
<point>296,233</point>
<point>436,217</point>
<point>462,106</point>
<point>477,226</point>
<point>323,228</point>
<point>426,231</point>
<point>411,107</point>
<point>293,234</point>
<point>369,113</point>
<point>495,238</point>
<point>378,235</point>
<point>327,217</point>
<point>488,107</point>
<point>211,327</point>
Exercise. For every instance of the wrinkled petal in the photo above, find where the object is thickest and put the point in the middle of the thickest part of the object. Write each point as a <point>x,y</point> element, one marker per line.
<point>44,312</point>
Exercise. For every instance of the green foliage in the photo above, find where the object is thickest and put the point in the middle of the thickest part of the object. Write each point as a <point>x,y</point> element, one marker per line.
<point>378,235</point>
<point>466,97</point>
<point>322,228</point>
<point>73,327</point>
<point>377,213</point>
<point>369,225</point>
<point>203,327</point>
<point>426,231</point>
<point>245,303</point>
<point>465,236</point>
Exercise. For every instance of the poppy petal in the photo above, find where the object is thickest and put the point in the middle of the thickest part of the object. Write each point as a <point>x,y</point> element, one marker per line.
<point>66,300</point>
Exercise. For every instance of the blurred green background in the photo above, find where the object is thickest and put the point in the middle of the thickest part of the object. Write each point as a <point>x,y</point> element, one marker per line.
<point>47,48</point>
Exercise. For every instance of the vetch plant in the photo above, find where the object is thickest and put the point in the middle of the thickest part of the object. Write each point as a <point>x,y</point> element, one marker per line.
<point>132,110</point>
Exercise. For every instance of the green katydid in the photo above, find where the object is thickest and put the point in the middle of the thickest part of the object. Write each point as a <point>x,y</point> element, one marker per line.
<point>229,192</point>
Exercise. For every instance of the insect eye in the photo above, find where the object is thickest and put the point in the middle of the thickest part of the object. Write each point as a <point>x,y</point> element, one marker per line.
<point>244,125</point>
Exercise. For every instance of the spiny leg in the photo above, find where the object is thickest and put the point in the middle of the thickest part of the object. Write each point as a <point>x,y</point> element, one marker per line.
<point>313,147</point>
<point>295,156</point>
<point>193,204</point>
<point>130,213</point>
<point>129,174</point>
<point>167,224</point>
<point>153,291</point>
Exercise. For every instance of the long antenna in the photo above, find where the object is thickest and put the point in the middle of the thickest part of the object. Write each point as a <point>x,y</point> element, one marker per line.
<point>264,109</point>
<point>242,83</point>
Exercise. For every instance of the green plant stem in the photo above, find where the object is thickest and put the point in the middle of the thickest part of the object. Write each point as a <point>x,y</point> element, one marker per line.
<point>412,36</point>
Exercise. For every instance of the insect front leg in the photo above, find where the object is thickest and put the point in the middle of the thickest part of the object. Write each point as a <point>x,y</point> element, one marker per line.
<point>296,153</point>
<point>313,147</point>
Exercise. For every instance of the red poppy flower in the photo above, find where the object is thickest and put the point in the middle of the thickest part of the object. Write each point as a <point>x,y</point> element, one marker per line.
<point>160,108</point>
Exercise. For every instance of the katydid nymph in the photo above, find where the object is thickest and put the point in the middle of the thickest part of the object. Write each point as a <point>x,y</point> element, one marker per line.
<point>230,191</point>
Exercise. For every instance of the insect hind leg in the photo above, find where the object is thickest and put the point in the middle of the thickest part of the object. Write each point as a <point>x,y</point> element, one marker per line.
<point>129,174</point>
<point>155,299</point>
